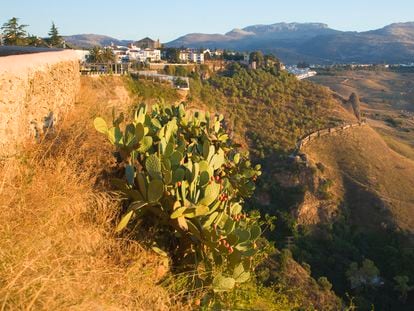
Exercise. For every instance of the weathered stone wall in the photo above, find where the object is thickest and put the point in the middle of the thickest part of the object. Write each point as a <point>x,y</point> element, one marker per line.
<point>312,136</point>
<point>35,91</point>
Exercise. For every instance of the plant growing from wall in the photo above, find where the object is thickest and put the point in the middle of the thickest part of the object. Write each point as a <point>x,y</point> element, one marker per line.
<point>183,171</point>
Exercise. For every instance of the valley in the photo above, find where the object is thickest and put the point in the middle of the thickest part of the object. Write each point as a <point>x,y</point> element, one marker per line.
<point>387,101</point>
<point>307,196</point>
<point>212,156</point>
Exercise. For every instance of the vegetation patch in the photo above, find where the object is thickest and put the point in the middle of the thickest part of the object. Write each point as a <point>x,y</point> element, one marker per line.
<point>185,177</point>
<point>151,92</point>
<point>271,107</point>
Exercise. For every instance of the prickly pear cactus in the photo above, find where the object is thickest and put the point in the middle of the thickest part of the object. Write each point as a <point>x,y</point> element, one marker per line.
<point>182,167</point>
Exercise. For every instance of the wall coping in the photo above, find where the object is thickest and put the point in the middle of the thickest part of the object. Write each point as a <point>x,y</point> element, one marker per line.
<point>22,64</point>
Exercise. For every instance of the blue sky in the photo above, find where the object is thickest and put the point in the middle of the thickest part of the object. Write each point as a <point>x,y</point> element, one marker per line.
<point>166,20</point>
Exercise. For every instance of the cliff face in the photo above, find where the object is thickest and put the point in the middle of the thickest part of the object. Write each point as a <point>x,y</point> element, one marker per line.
<point>35,91</point>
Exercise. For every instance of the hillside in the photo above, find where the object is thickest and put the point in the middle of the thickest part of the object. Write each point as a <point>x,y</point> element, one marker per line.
<point>271,108</point>
<point>90,40</point>
<point>387,101</point>
<point>372,187</point>
<point>374,181</point>
<point>313,42</point>
<point>346,199</point>
<point>64,252</point>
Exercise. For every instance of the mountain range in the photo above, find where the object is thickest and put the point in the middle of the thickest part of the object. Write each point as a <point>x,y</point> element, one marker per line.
<point>294,42</point>
<point>90,40</point>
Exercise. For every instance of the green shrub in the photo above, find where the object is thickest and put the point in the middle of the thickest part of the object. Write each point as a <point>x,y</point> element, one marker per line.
<point>393,121</point>
<point>147,90</point>
<point>307,267</point>
<point>186,176</point>
<point>323,189</point>
<point>324,283</point>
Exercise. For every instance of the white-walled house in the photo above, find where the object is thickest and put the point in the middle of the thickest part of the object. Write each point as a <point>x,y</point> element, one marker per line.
<point>189,56</point>
<point>197,58</point>
<point>183,56</point>
<point>143,55</point>
<point>153,55</point>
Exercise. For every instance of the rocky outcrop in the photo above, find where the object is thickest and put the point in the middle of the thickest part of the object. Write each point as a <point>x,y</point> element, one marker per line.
<point>35,91</point>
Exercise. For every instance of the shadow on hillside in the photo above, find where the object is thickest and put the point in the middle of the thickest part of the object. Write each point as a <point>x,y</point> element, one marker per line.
<point>364,229</point>
<point>366,209</point>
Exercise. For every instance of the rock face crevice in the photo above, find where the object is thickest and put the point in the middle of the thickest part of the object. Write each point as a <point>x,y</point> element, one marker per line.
<point>35,91</point>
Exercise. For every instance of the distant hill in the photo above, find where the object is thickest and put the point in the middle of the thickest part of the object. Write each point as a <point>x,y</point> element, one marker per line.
<point>313,42</point>
<point>294,42</point>
<point>91,40</point>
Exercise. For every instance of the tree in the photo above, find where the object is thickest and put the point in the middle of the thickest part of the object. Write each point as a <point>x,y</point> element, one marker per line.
<point>99,55</point>
<point>181,71</point>
<point>94,54</point>
<point>258,58</point>
<point>14,34</point>
<point>169,70</point>
<point>180,83</point>
<point>33,40</point>
<point>366,275</point>
<point>207,56</point>
<point>108,56</point>
<point>356,105</point>
<point>401,285</point>
<point>55,39</point>
<point>324,283</point>
<point>172,55</point>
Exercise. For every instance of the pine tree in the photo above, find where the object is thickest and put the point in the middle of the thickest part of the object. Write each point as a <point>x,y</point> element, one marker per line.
<point>55,39</point>
<point>14,34</point>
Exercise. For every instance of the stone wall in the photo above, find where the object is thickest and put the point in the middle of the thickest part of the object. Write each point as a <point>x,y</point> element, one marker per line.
<point>35,91</point>
<point>323,132</point>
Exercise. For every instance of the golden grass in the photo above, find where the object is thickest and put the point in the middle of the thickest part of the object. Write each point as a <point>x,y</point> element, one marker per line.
<point>57,246</point>
<point>373,180</point>
<point>397,144</point>
<point>383,94</point>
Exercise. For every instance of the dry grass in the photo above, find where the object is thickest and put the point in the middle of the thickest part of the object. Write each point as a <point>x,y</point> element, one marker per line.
<point>376,88</point>
<point>384,94</point>
<point>374,181</point>
<point>397,144</point>
<point>57,247</point>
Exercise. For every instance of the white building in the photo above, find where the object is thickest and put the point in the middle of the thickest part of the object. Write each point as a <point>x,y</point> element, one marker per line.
<point>217,53</point>
<point>183,56</point>
<point>196,58</point>
<point>189,56</point>
<point>144,55</point>
<point>301,73</point>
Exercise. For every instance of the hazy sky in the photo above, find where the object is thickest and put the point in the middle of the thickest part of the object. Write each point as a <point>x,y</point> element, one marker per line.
<point>166,20</point>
